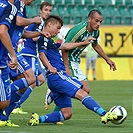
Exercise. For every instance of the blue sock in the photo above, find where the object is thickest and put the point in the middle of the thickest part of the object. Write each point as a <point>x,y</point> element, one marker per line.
<point>24,96</point>
<point>52,118</point>
<point>14,97</point>
<point>18,85</point>
<point>91,104</point>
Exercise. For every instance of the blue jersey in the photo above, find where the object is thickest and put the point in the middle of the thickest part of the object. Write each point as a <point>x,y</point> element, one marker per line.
<point>7,17</point>
<point>29,47</point>
<point>51,51</point>
<point>19,29</point>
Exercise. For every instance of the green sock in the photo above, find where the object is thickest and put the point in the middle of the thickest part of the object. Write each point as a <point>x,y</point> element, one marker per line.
<point>56,108</point>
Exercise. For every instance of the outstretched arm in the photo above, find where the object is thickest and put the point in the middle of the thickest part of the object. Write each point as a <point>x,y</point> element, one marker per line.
<point>31,34</point>
<point>72,45</point>
<point>100,51</point>
<point>21,21</point>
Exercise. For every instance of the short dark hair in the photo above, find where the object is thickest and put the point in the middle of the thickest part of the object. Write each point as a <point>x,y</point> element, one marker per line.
<point>54,19</point>
<point>45,4</point>
<point>92,13</point>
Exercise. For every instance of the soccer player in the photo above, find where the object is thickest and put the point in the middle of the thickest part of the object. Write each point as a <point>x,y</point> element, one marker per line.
<point>63,86</point>
<point>79,33</point>
<point>26,75</point>
<point>91,57</point>
<point>29,52</point>
<point>7,24</point>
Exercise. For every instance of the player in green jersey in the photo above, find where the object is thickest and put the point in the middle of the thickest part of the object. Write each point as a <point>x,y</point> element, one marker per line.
<point>79,33</point>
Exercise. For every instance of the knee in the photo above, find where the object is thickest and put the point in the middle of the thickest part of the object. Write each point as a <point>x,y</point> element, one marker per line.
<point>30,77</point>
<point>42,80</point>
<point>86,89</point>
<point>67,115</point>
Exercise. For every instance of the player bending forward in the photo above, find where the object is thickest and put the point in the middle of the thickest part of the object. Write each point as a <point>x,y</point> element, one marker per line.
<point>63,86</point>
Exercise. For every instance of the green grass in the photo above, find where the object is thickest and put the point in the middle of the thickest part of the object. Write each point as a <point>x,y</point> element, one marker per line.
<point>106,93</point>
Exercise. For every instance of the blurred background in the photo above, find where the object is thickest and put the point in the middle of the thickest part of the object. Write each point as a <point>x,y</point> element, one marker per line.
<point>116,31</point>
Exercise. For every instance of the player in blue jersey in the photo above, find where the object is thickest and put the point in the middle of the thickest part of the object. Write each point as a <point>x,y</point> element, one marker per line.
<point>7,21</point>
<point>7,24</point>
<point>21,81</point>
<point>24,68</point>
<point>79,33</point>
<point>63,86</point>
<point>29,52</point>
<point>25,73</point>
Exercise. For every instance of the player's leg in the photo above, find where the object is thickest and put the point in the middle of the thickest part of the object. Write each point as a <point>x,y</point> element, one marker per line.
<point>24,75</point>
<point>5,98</point>
<point>39,81</point>
<point>88,62</point>
<point>54,117</point>
<point>73,88</point>
<point>93,62</point>
<point>78,74</point>
<point>5,89</point>
<point>28,91</point>
<point>25,71</point>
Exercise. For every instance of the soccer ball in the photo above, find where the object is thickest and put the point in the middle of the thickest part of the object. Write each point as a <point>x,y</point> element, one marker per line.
<point>120,112</point>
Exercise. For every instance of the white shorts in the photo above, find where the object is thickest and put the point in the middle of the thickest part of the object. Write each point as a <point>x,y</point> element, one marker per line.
<point>76,71</point>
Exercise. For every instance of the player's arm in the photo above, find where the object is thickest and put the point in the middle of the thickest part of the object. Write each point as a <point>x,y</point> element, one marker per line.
<point>42,49</point>
<point>6,41</point>
<point>72,45</point>
<point>65,52</point>
<point>31,34</point>
<point>65,59</point>
<point>100,51</point>
<point>46,63</point>
<point>21,21</point>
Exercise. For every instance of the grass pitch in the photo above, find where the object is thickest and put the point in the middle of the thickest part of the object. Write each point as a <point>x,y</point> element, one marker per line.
<point>106,93</point>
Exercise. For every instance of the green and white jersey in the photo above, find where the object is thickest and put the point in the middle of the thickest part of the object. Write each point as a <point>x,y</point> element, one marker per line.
<point>79,33</point>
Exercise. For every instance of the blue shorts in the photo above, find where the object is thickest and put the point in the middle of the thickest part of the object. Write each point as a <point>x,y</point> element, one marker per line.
<point>63,87</point>
<point>23,66</point>
<point>33,62</point>
<point>5,88</point>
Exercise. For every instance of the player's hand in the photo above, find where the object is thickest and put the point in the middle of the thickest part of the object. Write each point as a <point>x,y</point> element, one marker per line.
<point>37,20</point>
<point>46,34</point>
<point>13,64</point>
<point>112,65</point>
<point>89,40</point>
<point>53,70</point>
